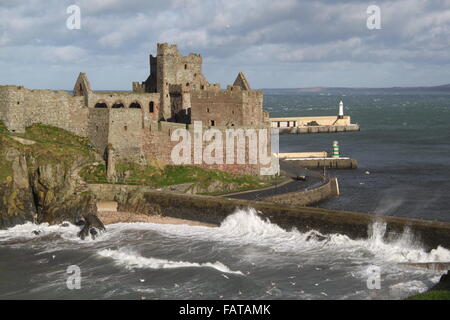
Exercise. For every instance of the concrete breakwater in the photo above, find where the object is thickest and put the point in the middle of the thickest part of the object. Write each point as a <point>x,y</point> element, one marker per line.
<point>326,124</point>
<point>320,129</point>
<point>213,210</point>
<point>330,163</point>
<point>312,160</point>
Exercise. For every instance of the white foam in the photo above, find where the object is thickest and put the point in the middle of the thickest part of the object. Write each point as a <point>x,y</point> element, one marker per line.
<point>69,232</point>
<point>132,260</point>
<point>245,226</point>
<point>25,231</point>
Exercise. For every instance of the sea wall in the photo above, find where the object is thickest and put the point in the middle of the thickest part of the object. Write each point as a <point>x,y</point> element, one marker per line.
<point>305,121</point>
<point>214,210</point>
<point>330,163</point>
<point>307,197</point>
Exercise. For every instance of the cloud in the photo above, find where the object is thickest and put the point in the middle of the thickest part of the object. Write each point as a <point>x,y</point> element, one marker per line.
<point>283,38</point>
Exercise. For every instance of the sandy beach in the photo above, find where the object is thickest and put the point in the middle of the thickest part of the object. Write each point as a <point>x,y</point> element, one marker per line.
<point>111,217</point>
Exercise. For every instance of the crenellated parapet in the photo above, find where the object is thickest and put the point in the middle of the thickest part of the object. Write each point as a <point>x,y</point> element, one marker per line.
<point>138,124</point>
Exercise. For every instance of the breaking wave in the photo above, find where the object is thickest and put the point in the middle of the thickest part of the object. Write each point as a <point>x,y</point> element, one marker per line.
<point>132,260</point>
<point>246,226</point>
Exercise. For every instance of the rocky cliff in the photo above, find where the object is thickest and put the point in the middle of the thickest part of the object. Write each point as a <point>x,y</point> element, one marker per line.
<point>39,178</point>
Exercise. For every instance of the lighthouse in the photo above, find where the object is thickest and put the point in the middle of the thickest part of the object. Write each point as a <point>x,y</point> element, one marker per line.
<point>341,110</point>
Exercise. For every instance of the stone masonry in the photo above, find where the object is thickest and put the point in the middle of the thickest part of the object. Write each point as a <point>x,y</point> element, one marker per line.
<point>138,124</point>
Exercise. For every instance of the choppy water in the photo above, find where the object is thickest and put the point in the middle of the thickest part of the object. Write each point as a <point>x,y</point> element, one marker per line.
<point>404,144</point>
<point>245,258</point>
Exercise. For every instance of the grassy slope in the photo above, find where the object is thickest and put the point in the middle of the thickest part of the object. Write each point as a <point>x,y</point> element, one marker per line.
<point>432,295</point>
<point>54,145</point>
<point>439,292</point>
<point>135,174</point>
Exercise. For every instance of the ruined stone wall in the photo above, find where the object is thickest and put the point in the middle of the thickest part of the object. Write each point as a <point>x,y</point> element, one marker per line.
<point>23,107</point>
<point>6,104</point>
<point>3,103</point>
<point>157,145</point>
<point>13,107</point>
<point>98,129</point>
<point>218,108</point>
<point>126,99</point>
<point>126,129</point>
<point>232,107</point>
<point>252,108</point>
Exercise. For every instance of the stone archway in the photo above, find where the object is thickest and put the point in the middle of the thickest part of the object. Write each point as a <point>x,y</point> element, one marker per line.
<point>101,105</point>
<point>135,105</point>
<point>118,105</point>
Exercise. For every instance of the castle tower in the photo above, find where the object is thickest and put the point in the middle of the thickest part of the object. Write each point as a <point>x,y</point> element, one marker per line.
<point>176,71</point>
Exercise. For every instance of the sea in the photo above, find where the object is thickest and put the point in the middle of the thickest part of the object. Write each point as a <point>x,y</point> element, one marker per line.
<point>403,152</point>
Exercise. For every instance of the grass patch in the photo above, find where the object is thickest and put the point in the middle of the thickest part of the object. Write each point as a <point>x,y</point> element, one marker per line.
<point>48,134</point>
<point>53,145</point>
<point>432,295</point>
<point>2,127</point>
<point>134,174</point>
<point>56,145</point>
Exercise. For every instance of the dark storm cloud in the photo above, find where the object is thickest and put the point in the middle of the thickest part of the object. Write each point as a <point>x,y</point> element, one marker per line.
<point>278,43</point>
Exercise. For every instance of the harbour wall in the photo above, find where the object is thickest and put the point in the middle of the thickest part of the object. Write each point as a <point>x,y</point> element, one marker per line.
<point>320,129</point>
<point>308,121</point>
<point>307,197</point>
<point>329,163</point>
<point>214,210</point>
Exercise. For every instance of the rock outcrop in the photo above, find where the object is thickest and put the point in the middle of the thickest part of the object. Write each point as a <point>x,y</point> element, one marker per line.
<point>16,197</point>
<point>60,194</point>
<point>92,227</point>
<point>40,186</point>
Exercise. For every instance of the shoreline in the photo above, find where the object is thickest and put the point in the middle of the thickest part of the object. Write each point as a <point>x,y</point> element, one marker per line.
<point>113,217</point>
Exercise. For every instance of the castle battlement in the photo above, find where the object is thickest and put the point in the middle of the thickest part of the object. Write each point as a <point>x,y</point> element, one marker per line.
<point>138,124</point>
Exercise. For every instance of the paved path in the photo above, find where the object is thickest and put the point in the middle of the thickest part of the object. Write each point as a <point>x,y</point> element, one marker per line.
<point>291,170</point>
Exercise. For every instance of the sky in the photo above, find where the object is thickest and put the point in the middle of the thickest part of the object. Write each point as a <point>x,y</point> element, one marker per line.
<point>277,44</point>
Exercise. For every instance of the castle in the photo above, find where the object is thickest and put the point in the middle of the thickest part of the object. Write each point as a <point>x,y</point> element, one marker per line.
<point>137,125</point>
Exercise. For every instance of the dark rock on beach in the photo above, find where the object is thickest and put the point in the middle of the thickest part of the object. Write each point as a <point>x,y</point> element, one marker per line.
<point>92,227</point>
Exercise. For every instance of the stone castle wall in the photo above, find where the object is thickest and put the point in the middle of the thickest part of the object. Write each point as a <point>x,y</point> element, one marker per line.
<point>232,107</point>
<point>158,144</point>
<point>23,107</point>
<point>98,129</point>
<point>137,125</point>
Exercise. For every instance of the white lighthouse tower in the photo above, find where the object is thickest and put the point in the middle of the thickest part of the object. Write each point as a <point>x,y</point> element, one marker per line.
<point>341,110</point>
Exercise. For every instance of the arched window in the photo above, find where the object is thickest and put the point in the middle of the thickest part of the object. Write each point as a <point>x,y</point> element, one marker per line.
<point>101,105</point>
<point>135,105</point>
<point>118,105</point>
<point>152,107</point>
